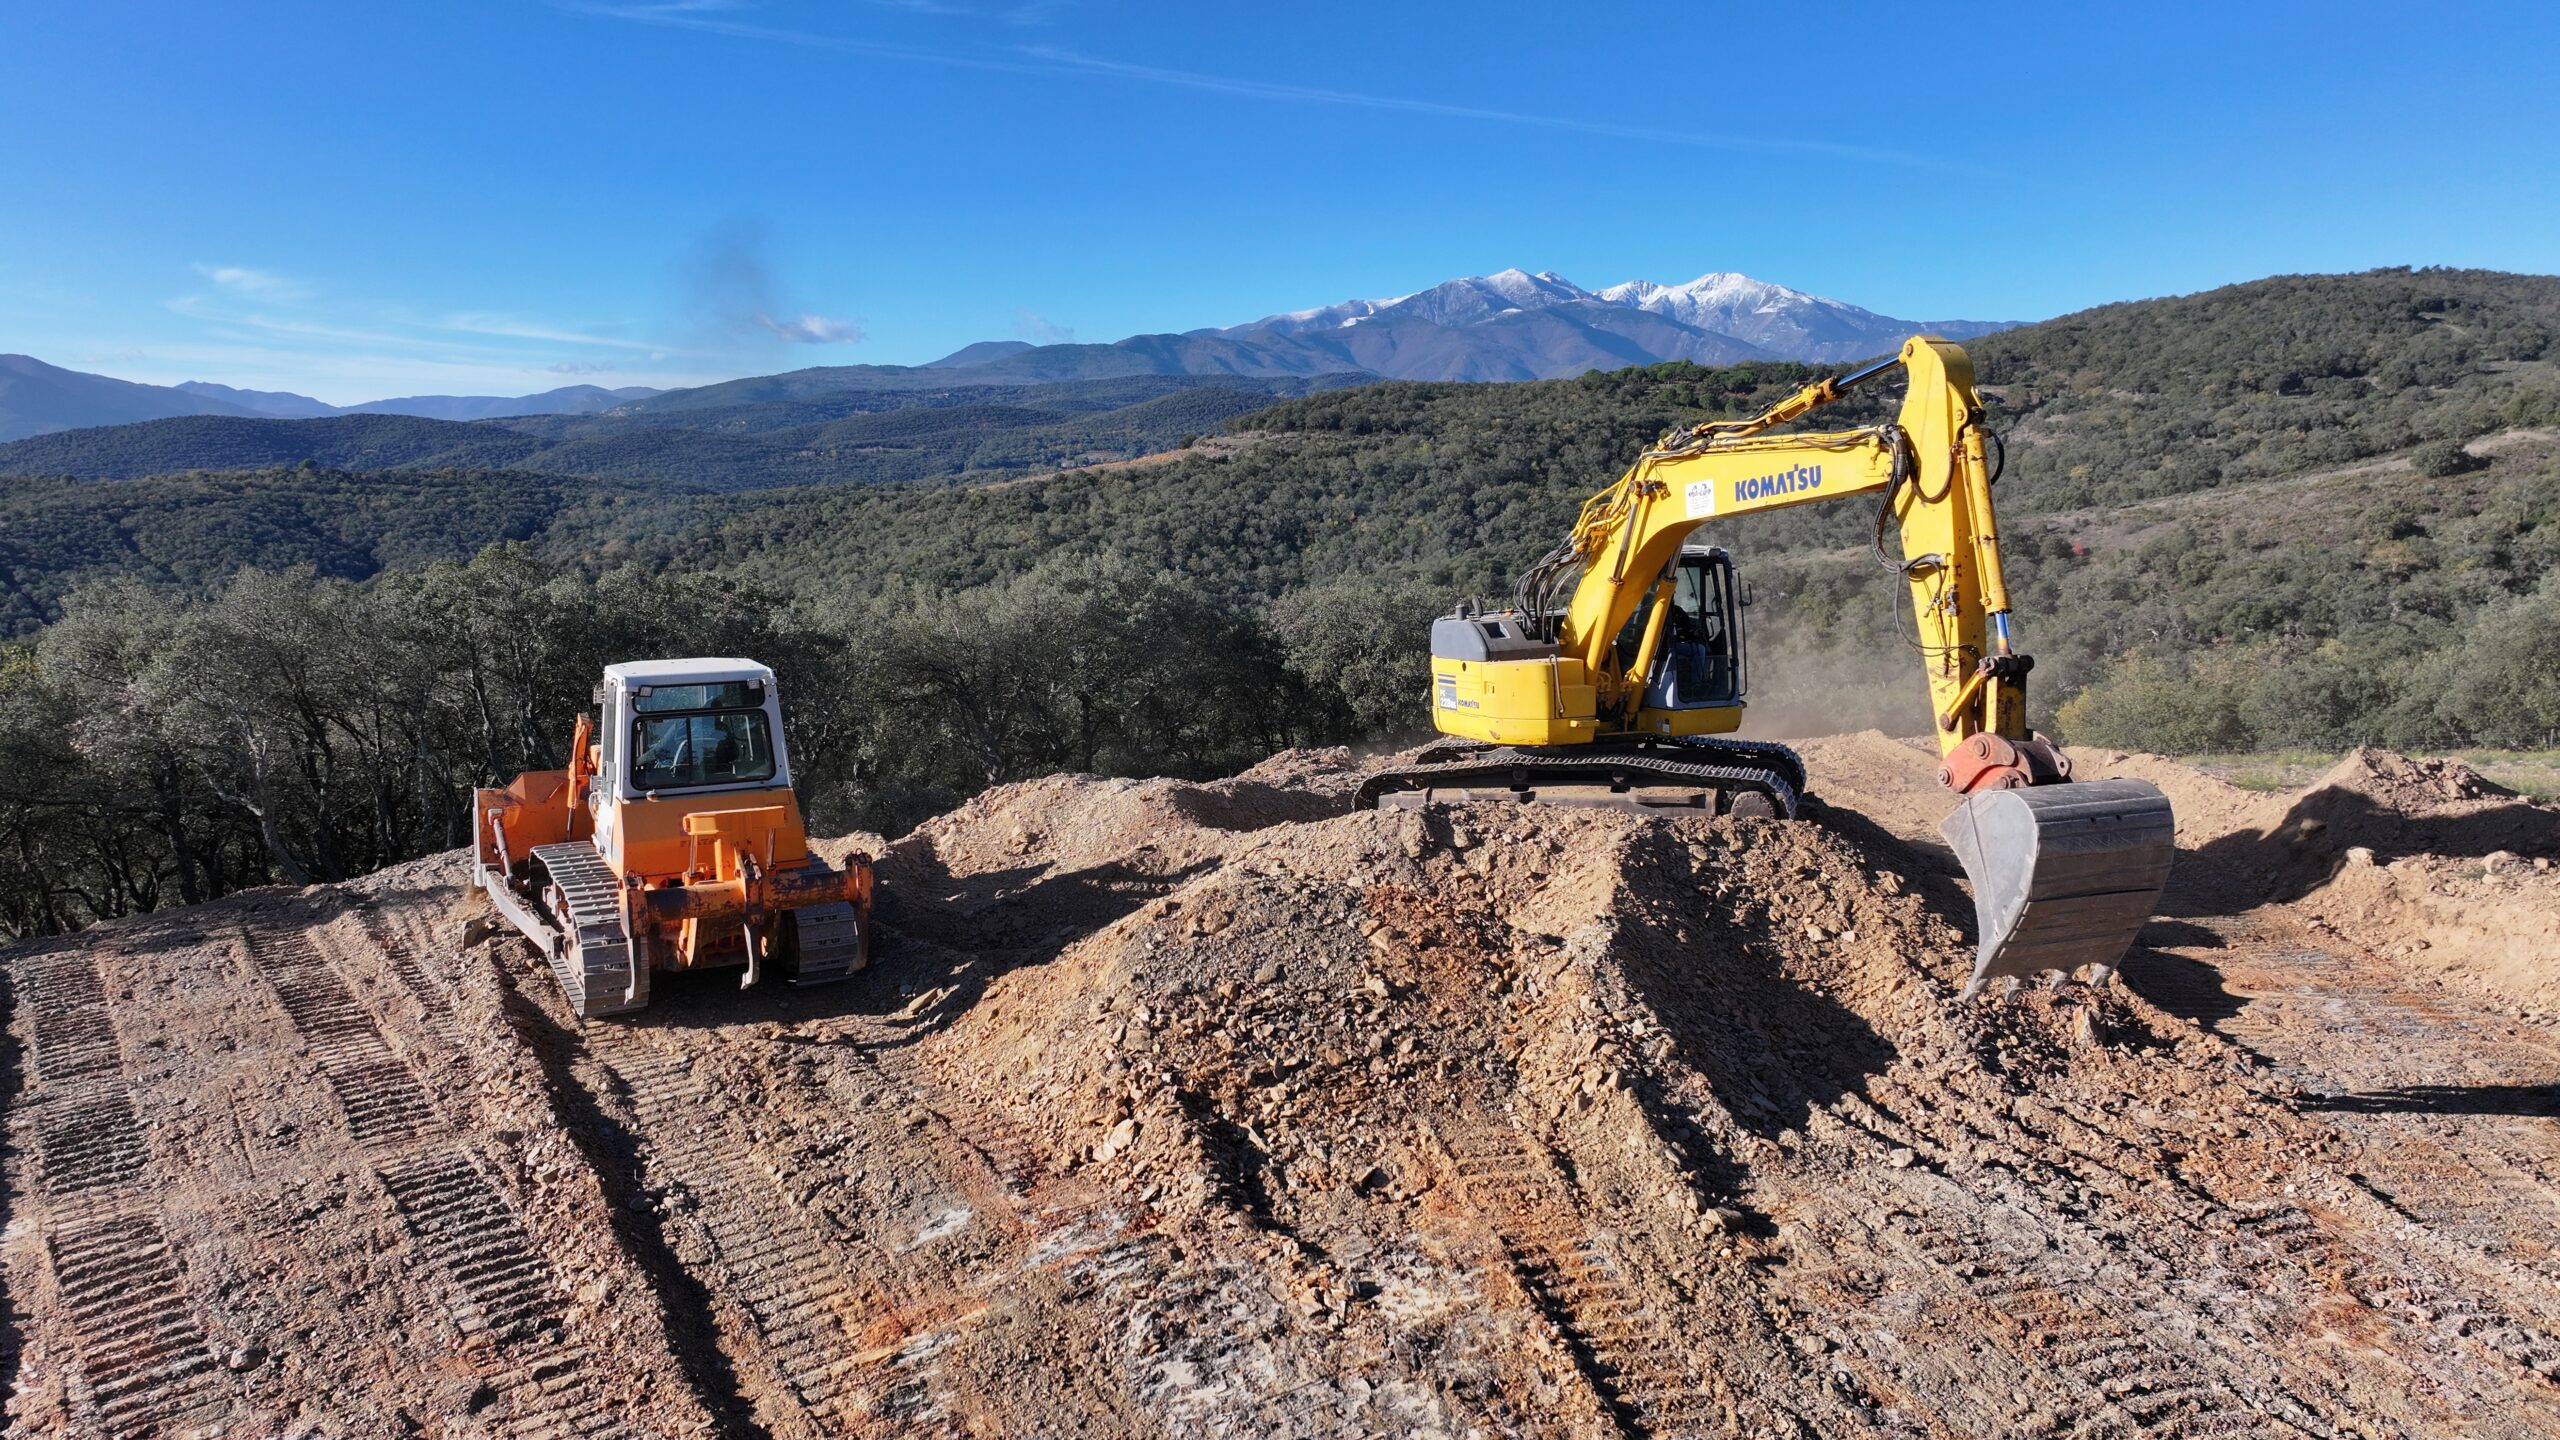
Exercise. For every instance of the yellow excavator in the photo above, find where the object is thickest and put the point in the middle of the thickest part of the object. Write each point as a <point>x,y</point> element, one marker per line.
<point>1617,675</point>
<point>672,842</point>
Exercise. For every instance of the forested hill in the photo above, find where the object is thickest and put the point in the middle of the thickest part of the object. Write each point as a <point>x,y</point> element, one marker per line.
<point>719,438</point>
<point>2156,421</point>
<point>2305,511</point>
<point>232,442</point>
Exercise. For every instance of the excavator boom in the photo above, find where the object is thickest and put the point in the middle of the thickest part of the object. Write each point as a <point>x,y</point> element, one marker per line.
<point>1620,662</point>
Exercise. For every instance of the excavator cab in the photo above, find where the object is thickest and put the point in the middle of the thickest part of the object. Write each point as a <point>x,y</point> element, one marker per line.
<point>1700,661</point>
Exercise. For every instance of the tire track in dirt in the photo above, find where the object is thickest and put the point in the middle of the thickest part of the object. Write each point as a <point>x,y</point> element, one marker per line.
<point>380,1096</point>
<point>773,1265</point>
<point>433,998</point>
<point>2425,1237</point>
<point>843,1307</point>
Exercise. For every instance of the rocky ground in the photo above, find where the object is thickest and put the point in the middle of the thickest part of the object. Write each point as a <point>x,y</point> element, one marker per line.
<point>1175,1109</point>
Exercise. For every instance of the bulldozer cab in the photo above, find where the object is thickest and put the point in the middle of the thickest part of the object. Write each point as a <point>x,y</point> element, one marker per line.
<point>688,737</point>
<point>675,727</point>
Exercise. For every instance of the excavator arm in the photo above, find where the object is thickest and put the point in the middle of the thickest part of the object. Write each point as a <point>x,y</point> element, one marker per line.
<point>2064,875</point>
<point>1931,463</point>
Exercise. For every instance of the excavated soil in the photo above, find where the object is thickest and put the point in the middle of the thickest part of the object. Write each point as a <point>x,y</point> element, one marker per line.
<point>1174,1109</point>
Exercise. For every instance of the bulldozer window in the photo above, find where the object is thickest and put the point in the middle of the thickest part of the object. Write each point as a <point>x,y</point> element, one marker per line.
<point>721,748</point>
<point>719,695</point>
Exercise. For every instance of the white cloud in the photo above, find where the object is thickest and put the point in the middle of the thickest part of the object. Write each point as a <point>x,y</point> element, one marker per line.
<point>511,329</point>
<point>812,329</point>
<point>257,284</point>
<point>1037,328</point>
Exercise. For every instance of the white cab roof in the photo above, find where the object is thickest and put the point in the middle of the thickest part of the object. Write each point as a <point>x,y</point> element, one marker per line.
<point>702,670</point>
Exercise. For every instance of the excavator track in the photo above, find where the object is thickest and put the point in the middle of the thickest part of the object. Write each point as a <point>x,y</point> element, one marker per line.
<point>1760,754</point>
<point>1644,779</point>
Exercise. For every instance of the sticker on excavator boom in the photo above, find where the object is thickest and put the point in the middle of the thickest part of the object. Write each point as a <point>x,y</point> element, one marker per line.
<point>1702,497</point>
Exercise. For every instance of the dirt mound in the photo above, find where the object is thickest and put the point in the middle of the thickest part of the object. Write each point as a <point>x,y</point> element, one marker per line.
<point>2409,783</point>
<point>1219,1109</point>
<point>2426,861</point>
<point>1427,1074</point>
<point>2374,808</point>
<point>2396,805</point>
<point>1069,821</point>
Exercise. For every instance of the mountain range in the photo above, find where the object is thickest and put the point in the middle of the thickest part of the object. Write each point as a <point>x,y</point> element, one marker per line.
<point>808,428</point>
<point>39,399</point>
<point>1507,326</point>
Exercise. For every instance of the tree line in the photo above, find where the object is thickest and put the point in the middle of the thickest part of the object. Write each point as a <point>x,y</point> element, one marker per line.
<point>296,728</point>
<point>2308,512</point>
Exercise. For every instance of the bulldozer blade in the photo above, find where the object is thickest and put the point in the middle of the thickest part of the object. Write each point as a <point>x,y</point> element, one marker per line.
<point>2063,875</point>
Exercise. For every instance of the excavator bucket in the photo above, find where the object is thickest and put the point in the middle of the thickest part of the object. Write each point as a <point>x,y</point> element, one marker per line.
<point>2063,875</point>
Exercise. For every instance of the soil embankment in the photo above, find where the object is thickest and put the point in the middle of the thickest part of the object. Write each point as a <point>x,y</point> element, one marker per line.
<point>1174,1109</point>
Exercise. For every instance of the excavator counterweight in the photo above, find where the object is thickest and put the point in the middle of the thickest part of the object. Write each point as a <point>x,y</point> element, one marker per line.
<point>1617,675</point>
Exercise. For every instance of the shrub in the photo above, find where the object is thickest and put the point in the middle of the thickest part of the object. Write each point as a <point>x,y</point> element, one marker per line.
<point>2439,458</point>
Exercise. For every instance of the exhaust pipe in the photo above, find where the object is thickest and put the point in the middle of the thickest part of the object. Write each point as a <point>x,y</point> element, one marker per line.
<point>2063,875</point>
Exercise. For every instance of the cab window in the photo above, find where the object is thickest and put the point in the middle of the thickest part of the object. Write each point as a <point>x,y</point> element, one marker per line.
<point>723,747</point>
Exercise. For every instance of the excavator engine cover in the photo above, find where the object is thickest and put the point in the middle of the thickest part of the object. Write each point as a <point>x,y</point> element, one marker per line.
<point>2063,875</point>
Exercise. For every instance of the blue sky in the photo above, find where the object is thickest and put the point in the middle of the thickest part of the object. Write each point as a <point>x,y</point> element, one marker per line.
<point>363,200</point>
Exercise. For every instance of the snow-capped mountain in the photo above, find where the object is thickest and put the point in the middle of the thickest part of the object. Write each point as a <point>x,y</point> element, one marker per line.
<point>1467,301</point>
<point>1784,322</point>
<point>1731,310</point>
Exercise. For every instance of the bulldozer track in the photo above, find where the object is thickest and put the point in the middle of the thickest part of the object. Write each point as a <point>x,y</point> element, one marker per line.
<point>377,1091</point>
<point>1635,1367</point>
<point>68,1002</point>
<point>434,998</point>
<point>144,1360</point>
<point>777,1266</point>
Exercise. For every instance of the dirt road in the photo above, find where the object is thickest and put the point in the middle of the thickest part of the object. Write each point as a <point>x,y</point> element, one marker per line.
<point>1187,1110</point>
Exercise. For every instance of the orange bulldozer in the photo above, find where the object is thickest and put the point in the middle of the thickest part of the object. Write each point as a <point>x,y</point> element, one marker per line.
<point>672,842</point>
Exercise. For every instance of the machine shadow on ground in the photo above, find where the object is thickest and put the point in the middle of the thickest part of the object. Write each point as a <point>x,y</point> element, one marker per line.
<point>2535,1100</point>
<point>2186,987</point>
<point>951,956</point>
<point>1771,1044</point>
<point>612,1151</point>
